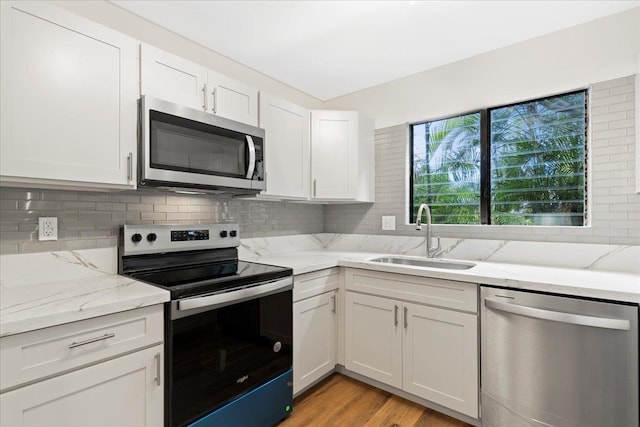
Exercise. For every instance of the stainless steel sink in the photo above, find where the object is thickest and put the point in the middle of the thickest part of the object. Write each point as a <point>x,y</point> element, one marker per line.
<point>444,264</point>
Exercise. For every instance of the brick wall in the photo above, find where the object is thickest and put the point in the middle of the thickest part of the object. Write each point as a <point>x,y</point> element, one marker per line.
<point>614,207</point>
<point>92,220</point>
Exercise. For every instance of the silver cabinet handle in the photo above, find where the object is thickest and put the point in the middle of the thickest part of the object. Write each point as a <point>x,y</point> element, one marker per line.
<point>406,317</point>
<point>558,316</point>
<point>158,366</point>
<point>205,106</point>
<point>314,188</point>
<point>91,340</point>
<point>252,156</point>
<point>395,315</point>
<point>333,298</point>
<point>129,166</point>
<point>215,101</point>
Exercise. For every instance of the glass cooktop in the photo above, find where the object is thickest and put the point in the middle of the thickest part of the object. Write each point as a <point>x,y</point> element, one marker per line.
<point>199,273</point>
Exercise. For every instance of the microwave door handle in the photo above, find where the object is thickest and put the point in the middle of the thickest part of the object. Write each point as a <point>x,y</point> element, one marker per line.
<point>252,157</point>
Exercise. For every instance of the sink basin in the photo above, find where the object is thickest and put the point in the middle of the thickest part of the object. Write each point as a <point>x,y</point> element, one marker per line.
<point>447,265</point>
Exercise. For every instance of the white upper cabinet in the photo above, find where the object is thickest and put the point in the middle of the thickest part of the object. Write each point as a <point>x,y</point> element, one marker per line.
<point>68,101</point>
<point>342,156</point>
<point>286,128</point>
<point>232,99</point>
<point>174,79</point>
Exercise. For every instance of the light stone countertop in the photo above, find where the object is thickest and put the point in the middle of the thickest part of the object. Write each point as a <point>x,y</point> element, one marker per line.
<point>48,289</point>
<point>567,281</point>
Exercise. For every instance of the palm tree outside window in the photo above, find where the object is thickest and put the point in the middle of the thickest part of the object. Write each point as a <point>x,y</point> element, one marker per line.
<point>519,164</point>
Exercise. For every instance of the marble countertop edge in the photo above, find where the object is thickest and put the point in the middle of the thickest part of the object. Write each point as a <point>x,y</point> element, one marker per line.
<point>613,286</point>
<point>46,320</point>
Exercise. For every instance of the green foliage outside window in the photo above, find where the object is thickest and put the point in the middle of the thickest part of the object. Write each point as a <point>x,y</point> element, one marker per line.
<point>535,164</point>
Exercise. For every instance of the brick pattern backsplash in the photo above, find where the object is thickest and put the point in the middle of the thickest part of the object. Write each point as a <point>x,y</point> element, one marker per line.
<point>614,206</point>
<point>92,220</point>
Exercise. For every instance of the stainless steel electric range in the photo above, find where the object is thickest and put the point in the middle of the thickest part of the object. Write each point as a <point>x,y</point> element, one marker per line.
<point>228,326</point>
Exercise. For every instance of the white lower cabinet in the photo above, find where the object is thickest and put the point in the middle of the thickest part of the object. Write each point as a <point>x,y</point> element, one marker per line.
<point>101,371</point>
<point>373,338</point>
<point>440,357</point>
<point>430,352</point>
<point>126,391</point>
<point>314,346</point>
<point>316,309</point>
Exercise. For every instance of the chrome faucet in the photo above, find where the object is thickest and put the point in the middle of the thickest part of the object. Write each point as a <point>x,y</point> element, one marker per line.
<point>431,251</point>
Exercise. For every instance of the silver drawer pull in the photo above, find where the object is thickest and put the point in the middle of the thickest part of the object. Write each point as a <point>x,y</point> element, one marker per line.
<point>158,366</point>
<point>90,340</point>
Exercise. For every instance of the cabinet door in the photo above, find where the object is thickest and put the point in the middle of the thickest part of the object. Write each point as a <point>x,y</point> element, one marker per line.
<point>441,357</point>
<point>232,99</point>
<point>172,78</point>
<point>373,339</point>
<point>68,102</point>
<point>334,154</point>
<point>314,339</point>
<point>126,391</point>
<point>287,161</point>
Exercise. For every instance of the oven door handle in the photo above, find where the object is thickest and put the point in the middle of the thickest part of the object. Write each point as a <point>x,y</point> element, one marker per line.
<point>213,301</point>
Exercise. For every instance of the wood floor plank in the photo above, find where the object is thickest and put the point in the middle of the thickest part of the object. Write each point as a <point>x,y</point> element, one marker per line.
<point>431,418</point>
<point>396,411</point>
<point>340,401</point>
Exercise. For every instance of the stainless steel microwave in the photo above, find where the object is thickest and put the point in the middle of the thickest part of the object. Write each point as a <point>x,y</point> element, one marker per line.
<point>185,149</point>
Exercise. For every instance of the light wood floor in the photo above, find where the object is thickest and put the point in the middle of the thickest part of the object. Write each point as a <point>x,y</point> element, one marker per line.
<point>340,401</point>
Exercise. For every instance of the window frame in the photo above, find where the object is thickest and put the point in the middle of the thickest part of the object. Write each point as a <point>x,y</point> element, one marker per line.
<point>485,155</point>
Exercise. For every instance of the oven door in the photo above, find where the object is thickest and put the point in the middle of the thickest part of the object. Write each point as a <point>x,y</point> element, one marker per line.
<point>222,346</point>
<point>181,146</point>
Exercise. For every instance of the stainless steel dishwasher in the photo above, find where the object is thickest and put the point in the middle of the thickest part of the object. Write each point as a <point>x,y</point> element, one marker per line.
<point>557,361</point>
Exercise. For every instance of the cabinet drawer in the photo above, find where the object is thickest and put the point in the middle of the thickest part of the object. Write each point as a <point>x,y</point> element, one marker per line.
<point>315,283</point>
<point>436,292</point>
<point>46,352</point>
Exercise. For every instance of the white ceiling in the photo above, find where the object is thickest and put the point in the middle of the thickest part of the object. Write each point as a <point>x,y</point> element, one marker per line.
<point>331,48</point>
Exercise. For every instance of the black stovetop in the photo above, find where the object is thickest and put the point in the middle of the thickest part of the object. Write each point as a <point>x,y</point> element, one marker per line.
<point>192,273</point>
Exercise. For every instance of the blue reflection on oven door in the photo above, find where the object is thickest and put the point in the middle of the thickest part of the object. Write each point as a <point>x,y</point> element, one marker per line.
<point>263,406</point>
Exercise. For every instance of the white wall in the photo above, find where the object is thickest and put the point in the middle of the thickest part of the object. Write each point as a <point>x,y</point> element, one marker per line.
<point>126,22</point>
<point>570,59</point>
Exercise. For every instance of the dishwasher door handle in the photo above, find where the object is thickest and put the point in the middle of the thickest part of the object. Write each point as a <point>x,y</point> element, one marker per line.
<point>559,316</point>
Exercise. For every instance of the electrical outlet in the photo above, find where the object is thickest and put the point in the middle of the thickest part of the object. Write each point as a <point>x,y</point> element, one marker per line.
<point>389,222</point>
<point>47,228</point>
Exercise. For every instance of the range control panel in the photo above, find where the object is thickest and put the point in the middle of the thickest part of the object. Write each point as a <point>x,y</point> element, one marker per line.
<point>182,235</point>
<point>141,239</point>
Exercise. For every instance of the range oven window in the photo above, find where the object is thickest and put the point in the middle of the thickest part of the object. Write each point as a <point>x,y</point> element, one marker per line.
<point>220,354</point>
<point>184,145</point>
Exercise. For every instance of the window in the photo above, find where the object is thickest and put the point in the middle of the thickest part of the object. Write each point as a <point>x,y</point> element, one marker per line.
<point>520,164</point>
